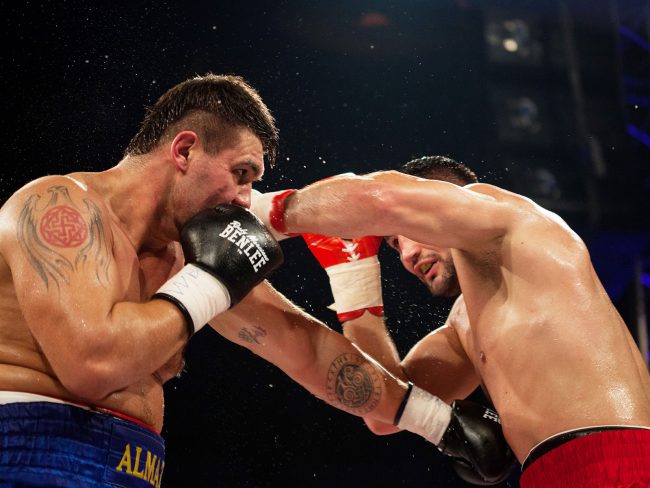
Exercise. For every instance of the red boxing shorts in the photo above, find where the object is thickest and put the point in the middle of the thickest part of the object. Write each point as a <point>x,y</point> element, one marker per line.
<point>608,456</point>
<point>52,444</point>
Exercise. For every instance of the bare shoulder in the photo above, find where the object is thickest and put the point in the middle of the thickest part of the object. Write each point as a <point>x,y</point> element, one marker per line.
<point>532,228</point>
<point>523,210</point>
<point>57,189</point>
<point>57,211</point>
<point>499,194</point>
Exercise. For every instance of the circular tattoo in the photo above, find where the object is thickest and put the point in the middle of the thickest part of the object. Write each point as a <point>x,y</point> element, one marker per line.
<point>63,226</point>
<point>352,385</point>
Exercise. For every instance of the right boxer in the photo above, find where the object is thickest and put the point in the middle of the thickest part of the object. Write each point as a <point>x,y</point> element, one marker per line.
<point>533,326</point>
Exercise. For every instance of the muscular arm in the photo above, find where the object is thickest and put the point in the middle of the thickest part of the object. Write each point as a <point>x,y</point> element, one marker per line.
<point>318,358</point>
<point>334,370</point>
<point>437,363</point>
<point>388,203</point>
<point>58,242</point>
<point>370,333</point>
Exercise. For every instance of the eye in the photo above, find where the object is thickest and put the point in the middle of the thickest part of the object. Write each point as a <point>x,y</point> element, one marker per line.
<point>246,172</point>
<point>241,174</point>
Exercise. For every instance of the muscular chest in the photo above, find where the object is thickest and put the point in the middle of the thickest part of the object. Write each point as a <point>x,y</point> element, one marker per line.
<point>481,332</point>
<point>143,273</point>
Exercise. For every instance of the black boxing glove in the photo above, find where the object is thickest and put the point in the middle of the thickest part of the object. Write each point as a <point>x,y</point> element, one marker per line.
<point>228,252</point>
<point>468,432</point>
<point>475,441</point>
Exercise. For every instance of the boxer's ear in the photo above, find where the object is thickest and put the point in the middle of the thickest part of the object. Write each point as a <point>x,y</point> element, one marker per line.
<point>181,148</point>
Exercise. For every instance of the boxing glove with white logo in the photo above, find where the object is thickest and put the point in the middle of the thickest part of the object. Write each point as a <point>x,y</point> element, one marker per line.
<point>228,251</point>
<point>467,432</point>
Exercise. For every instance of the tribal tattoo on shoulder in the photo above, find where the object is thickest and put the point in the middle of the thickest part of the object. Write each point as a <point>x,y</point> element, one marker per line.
<point>353,384</point>
<point>60,224</point>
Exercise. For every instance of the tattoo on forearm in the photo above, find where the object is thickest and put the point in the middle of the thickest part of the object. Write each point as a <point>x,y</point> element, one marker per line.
<point>60,224</point>
<point>353,384</point>
<point>251,336</point>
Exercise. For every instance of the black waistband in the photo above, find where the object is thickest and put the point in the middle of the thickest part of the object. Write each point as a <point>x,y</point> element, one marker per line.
<point>559,439</point>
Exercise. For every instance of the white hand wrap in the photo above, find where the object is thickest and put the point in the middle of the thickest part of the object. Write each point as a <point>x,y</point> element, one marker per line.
<point>202,295</point>
<point>356,285</point>
<point>425,415</point>
<point>261,205</point>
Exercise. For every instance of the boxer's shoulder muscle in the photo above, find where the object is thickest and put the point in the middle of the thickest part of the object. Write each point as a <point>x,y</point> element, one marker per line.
<point>43,228</point>
<point>55,228</point>
<point>57,209</point>
<point>529,229</point>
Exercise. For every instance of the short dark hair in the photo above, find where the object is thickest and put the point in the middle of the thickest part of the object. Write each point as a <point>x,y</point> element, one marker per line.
<point>440,168</point>
<point>213,106</point>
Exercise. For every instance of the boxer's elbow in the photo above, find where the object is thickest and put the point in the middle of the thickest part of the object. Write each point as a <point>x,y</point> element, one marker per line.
<point>90,380</point>
<point>380,428</point>
<point>87,387</point>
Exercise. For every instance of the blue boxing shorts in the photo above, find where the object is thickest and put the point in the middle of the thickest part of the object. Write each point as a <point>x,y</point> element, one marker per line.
<point>52,443</point>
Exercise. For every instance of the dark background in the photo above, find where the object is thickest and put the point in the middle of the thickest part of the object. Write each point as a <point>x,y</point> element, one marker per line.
<point>549,99</point>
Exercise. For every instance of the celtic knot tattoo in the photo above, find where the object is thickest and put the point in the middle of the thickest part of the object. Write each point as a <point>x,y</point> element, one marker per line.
<point>60,224</point>
<point>63,226</point>
<point>352,384</point>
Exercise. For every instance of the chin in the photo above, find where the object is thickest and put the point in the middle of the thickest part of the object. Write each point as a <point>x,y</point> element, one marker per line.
<point>452,292</point>
<point>436,289</point>
<point>443,288</point>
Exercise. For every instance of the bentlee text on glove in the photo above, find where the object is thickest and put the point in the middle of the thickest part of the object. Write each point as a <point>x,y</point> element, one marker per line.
<point>228,251</point>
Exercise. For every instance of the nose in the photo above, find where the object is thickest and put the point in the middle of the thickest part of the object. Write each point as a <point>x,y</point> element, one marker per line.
<point>243,196</point>
<point>409,253</point>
